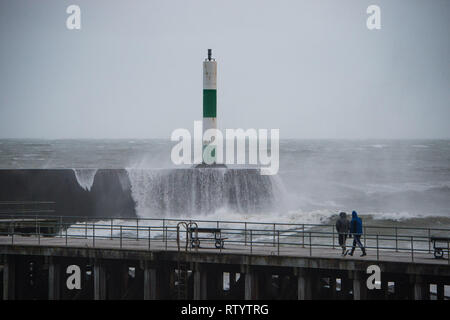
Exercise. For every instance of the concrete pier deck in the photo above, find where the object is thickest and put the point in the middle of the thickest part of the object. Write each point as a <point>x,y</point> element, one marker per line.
<point>142,247</point>
<point>311,273</point>
<point>120,260</point>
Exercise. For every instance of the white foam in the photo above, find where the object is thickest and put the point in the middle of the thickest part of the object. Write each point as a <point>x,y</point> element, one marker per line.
<point>292,217</point>
<point>403,215</point>
<point>124,181</point>
<point>141,181</point>
<point>85,177</point>
<point>173,192</point>
<point>395,216</point>
<point>228,221</point>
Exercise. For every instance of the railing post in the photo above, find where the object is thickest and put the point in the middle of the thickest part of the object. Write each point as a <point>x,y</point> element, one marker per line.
<point>429,242</point>
<point>448,252</point>
<point>396,239</point>
<point>93,234</point>
<point>251,241</point>
<point>332,230</point>
<point>245,233</point>
<point>303,235</point>
<point>278,235</point>
<point>164,228</point>
<point>378,254</point>
<point>149,237</point>
<point>365,232</point>
<point>310,244</point>
<point>274,235</point>
<point>120,237</point>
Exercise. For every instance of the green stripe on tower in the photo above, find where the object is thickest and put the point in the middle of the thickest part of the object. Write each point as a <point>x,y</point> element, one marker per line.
<point>209,103</point>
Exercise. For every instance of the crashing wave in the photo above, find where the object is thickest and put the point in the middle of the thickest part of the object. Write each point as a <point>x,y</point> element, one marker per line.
<point>85,177</point>
<point>175,192</point>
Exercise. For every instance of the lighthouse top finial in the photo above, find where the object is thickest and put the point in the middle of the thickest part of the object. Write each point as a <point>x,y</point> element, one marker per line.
<point>209,54</point>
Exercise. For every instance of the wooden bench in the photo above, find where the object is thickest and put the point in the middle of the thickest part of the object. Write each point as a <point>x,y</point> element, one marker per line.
<point>195,239</point>
<point>440,245</point>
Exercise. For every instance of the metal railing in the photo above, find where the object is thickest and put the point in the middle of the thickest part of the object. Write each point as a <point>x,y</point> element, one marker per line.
<point>242,236</point>
<point>26,207</point>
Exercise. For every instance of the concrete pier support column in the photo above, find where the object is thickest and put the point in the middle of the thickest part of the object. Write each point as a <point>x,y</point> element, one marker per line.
<point>214,282</point>
<point>359,286</point>
<point>420,289</point>
<point>163,281</point>
<point>54,279</point>
<point>317,284</point>
<point>200,283</point>
<point>197,285</point>
<point>284,286</point>
<point>203,284</point>
<point>172,277</point>
<point>385,288</point>
<point>418,294</point>
<point>149,281</point>
<point>315,281</point>
<point>232,279</point>
<point>99,281</point>
<point>157,279</point>
<point>251,283</point>
<point>402,290</point>
<point>124,279</point>
<point>249,286</point>
<point>301,284</point>
<point>346,285</point>
<point>356,289</point>
<point>9,277</point>
<point>117,282</point>
<point>267,285</point>
<point>209,281</point>
<point>219,283</point>
<point>440,291</point>
<point>304,291</point>
<point>333,293</point>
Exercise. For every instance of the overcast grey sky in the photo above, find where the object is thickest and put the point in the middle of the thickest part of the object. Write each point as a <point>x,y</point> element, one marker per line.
<point>310,68</point>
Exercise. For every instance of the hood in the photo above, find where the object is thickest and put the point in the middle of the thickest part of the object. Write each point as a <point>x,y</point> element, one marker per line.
<point>354,214</point>
<point>343,215</point>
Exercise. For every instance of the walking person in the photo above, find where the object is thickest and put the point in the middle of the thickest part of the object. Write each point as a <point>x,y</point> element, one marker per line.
<point>356,230</point>
<point>342,228</point>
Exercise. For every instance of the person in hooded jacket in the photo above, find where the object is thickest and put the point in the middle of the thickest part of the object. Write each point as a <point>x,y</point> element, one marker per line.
<point>343,228</point>
<point>356,229</point>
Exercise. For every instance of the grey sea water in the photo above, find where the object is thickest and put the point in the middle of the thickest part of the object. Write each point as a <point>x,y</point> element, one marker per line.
<point>404,181</point>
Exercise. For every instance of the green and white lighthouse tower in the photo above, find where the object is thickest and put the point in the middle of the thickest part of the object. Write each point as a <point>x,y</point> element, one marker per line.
<point>209,107</point>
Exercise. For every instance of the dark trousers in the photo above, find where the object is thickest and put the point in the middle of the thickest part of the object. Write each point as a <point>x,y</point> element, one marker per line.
<point>357,241</point>
<point>342,240</point>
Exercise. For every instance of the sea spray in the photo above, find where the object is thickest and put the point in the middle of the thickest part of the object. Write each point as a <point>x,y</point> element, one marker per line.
<point>85,177</point>
<point>184,192</point>
<point>399,181</point>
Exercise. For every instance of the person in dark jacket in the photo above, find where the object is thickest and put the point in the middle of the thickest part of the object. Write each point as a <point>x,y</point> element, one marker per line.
<point>343,228</point>
<point>356,230</point>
